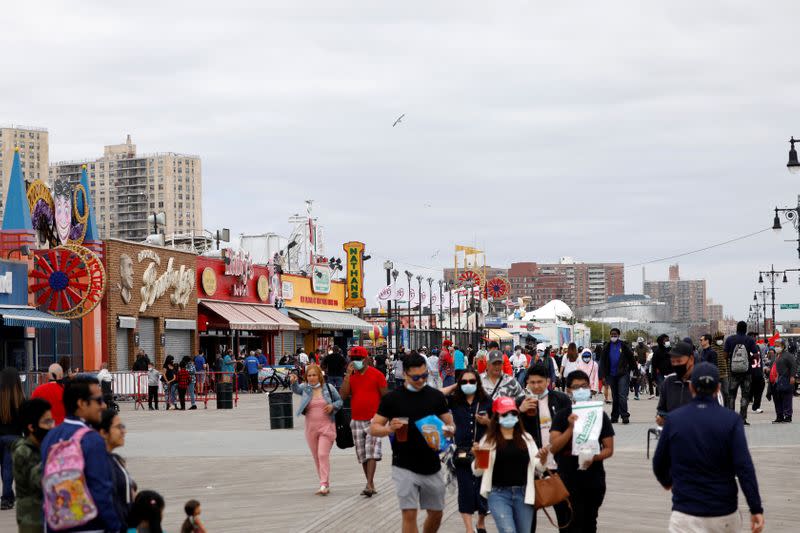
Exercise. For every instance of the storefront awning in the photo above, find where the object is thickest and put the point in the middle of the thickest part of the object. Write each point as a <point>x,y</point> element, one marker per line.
<point>29,317</point>
<point>331,319</point>
<point>252,317</point>
<point>499,335</point>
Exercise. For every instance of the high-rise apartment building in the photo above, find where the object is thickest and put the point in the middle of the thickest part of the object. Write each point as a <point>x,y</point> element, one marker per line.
<point>685,298</point>
<point>34,154</point>
<point>576,284</point>
<point>126,187</point>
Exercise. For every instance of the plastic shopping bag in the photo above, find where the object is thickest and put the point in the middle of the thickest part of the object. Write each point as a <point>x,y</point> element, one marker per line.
<point>586,432</point>
<point>431,428</point>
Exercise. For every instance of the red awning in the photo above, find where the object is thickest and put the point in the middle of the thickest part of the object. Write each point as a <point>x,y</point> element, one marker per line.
<point>253,317</point>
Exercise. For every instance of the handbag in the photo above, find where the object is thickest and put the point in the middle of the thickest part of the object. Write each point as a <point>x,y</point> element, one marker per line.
<point>344,435</point>
<point>549,491</point>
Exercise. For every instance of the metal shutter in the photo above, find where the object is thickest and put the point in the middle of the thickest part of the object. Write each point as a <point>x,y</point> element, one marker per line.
<point>178,343</point>
<point>122,349</point>
<point>147,337</point>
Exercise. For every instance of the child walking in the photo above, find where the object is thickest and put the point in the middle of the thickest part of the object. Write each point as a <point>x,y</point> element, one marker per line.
<point>192,524</point>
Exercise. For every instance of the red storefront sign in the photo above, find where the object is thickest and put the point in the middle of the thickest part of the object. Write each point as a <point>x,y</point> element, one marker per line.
<point>214,284</point>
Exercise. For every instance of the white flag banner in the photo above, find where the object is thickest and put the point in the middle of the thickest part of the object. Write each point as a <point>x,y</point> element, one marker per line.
<point>419,297</point>
<point>398,293</point>
<point>384,295</point>
<point>436,305</point>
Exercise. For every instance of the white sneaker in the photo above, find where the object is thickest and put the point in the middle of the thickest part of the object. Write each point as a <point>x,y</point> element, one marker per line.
<point>758,410</point>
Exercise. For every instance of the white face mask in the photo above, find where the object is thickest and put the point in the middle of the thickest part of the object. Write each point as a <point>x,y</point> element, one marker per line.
<point>719,342</point>
<point>778,349</point>
<point>614,339</point>
<point>667,344</point>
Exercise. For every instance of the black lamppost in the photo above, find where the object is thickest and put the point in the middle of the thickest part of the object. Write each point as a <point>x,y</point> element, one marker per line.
<point>419,298</point>
<point>430,303</point>
<point>470,303</point>
<point>410,276</point>
<point>395,273</point>
<point>763,293</point>
<point>441,304</point>
<point>388,266</point>
<point>450,285</point>
<point>772,274</point>
<point>792,214</point>
<point>459,308</point>
<point>793,165</point>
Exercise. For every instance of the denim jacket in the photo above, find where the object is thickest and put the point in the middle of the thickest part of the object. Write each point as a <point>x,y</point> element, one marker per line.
<point>329,392</point>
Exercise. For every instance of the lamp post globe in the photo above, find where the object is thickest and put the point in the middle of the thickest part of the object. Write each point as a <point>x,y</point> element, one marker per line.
<point>793,165</point>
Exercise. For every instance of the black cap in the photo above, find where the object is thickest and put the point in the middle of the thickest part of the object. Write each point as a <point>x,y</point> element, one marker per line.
<point>682,349</point>
<point>705,375</point>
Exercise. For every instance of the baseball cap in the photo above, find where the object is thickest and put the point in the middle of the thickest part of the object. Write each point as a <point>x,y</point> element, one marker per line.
<point>682,349</point>
<point>359,351</point>
<point>503,405</point>
<point>495,356</point>
<point>705,375</point>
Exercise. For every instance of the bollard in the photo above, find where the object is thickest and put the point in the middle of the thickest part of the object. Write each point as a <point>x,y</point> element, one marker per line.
<point>280,410</point>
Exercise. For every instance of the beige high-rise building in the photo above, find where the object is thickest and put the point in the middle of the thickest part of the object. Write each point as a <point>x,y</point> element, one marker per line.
<point>126,187</point>
<point>34,154</point>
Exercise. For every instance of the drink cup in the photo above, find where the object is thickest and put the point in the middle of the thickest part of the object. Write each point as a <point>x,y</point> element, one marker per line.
<point>482,458</point>
<point>401,433</point>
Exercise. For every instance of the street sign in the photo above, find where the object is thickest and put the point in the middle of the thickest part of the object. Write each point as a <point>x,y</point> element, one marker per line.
<point>790,306</point>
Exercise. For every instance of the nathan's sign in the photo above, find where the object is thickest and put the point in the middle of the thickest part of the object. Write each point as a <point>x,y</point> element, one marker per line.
<point>354,280</point>
<point>155,285</point>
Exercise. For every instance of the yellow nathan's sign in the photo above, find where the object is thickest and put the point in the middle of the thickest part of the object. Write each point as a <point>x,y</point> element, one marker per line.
<point>354,280</point>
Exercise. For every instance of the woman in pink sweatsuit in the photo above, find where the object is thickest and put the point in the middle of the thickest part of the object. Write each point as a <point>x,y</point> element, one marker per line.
<point>319,404</point>
<point>589,365</point>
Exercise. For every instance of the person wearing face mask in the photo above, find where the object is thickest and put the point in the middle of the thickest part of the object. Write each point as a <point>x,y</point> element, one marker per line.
<point>741,343</point>
<point>757,381</point>
<point>587,364</point>
<point>587,486</point>
<point>366,386</point>
<point>319,404</point>
<point>722,365</point>
<point>616,363</point>
<point>537,412</point>
<point>661,363</point>
<point>675,389</point>
<point>36,419</point>
<point>508,482</point>
<point>781,379</point>
<point>416,468</point>
<point>471,409</point>
<point>334,366</point>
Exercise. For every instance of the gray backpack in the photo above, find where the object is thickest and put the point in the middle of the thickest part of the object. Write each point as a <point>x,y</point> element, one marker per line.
<point>740,360</point>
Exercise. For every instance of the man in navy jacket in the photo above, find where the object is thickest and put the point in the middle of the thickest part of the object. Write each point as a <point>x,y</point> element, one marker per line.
<point>83,402</point>
<point>701,453</point>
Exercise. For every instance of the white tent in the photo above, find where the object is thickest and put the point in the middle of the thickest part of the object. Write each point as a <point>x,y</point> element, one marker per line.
<point>552,310</point>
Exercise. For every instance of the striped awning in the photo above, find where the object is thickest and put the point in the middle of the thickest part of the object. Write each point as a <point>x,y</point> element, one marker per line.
<point>499,335</point>
<point>338,320</point>
<point>250,317</point>
<point>24,316</point>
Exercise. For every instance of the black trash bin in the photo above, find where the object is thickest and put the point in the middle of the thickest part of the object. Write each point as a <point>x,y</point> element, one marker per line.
<point>280,410</point>
<point>224,395</point>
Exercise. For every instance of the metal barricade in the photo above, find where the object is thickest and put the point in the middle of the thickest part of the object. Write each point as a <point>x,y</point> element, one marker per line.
<point>31,380</point>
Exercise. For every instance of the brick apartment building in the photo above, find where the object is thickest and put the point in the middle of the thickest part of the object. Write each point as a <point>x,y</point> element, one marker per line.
<point>576,284</point>
<point>686,298</point>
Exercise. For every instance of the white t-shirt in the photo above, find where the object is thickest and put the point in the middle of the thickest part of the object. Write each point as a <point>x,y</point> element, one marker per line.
<point>518,361</point>
<point>568,366</point>
<point>302,358</point>
<point>433,363</point>
<point>545,422</point>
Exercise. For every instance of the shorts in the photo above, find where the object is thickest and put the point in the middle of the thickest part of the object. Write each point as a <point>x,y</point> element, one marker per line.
<point>367,446</point>
<point>418,491</point>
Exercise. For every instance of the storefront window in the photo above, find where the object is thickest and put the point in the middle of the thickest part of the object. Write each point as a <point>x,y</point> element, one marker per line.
<point>56,343</point>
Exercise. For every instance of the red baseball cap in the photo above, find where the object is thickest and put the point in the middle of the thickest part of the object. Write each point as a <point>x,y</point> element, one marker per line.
<point>359,351</point>
<point>503,405</point>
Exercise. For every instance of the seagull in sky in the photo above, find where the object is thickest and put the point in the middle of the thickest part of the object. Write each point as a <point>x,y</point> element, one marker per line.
<point>399,120</point>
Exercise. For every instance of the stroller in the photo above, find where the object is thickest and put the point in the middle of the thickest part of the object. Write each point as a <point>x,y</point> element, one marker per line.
<point>108,395</point>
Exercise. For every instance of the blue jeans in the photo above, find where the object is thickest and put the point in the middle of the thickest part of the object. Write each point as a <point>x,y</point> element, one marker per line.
<point>7,473</point>
<point>192,395</point>
<point>620,385</point>
<point>511,513</point>
<point>336,381</point>
<point>173,391</point>
<point>448,380</point>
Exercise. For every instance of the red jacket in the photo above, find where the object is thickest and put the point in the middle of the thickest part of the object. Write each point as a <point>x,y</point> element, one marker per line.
<point>53,392</point>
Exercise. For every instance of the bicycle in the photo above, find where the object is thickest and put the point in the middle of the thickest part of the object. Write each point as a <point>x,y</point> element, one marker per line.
<point>273,379</point>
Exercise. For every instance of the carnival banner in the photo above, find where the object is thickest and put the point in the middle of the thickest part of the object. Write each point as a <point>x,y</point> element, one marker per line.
<point>354,279</point>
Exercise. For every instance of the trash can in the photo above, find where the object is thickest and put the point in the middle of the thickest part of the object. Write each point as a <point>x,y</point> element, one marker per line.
<point>280,410</point>
<point>224,395</point>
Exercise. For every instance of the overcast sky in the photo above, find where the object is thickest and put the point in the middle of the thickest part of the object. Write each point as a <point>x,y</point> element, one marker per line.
<point>605,131</point>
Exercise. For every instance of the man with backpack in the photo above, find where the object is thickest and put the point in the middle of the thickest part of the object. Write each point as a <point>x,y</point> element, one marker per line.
<point>76,470</point>
<point>738,351</point>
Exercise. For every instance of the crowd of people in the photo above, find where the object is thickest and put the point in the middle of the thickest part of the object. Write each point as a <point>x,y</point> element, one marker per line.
<point>60,470</point>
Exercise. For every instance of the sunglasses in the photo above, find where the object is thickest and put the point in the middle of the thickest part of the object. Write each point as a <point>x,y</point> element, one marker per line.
<point>98,399</point>
<point>468,381</point>
<point>418,378</point>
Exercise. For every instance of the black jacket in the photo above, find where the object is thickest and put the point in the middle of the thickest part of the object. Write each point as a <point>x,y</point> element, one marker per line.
<point>674,393</point>
<point>556,402</point>
<point>626,360</point>
<point>661,361</point>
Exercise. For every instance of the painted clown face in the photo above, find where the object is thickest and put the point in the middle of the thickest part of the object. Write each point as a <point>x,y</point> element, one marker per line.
<point>63,203</point>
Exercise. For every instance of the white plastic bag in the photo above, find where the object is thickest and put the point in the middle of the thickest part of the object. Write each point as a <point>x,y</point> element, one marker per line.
<point>586,431</point>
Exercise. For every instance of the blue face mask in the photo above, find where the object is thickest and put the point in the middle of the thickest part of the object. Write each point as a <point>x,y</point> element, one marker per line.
<point>358,364</point>
<point>508,421</point>
<point>469,388</point>
<point>582,395</point>
<point>412,388</point>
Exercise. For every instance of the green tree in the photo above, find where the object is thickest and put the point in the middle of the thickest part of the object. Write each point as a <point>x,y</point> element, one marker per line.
<point>633,334</point>
<point>600,330</point>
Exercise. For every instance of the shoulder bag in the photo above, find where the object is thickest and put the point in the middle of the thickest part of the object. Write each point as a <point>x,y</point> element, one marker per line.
<point>344,435</point>
<point>549,491</point>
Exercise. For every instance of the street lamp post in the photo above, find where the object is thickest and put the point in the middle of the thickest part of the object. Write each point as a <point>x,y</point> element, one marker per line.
<point>395,273</point>
<point>772,274</point>
<point>430,303</point>
<point>419,298</point>
<point>450,304</point>
<point>388,266</point>
<point>459,309</point>
<point>792,214</point>
<point>763,293</point>
<point>793,165</point>
<point>410,276</point>
<point>441,304</point>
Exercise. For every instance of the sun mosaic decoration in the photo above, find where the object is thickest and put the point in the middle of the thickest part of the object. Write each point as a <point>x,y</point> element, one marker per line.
<point>69,281</point>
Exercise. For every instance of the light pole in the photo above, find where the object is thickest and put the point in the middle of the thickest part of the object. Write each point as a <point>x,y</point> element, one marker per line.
<point>419,297</point>
<point>450,304</point>
<point>763,294</point>
<point>792,214</point>
<point>459,308</point>
<point>388,266</point>
<point>441,304</point>
<point>793,165</point>
<point>430,303</point>
<point>470,304</point>
<point>395,273</point>
<point>410,276</point>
